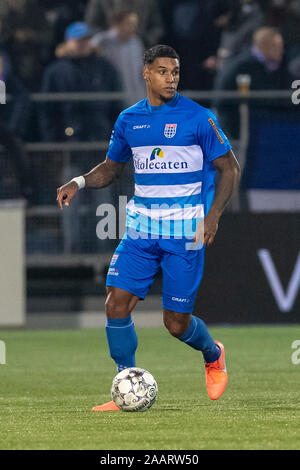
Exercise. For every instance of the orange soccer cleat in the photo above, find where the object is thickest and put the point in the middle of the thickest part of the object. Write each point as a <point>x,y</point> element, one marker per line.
<point>216,375</point>
<point>109,406</point>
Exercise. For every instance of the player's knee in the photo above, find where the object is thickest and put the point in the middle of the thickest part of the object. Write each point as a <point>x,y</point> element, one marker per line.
<point>176,328</point>
<point>114,308</point>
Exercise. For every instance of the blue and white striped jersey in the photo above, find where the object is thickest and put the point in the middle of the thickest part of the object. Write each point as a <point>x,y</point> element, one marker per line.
<point>172,147</point>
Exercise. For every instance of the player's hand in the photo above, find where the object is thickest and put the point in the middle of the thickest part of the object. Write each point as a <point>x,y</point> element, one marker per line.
<point>207,229</point>
<point>65,193</point>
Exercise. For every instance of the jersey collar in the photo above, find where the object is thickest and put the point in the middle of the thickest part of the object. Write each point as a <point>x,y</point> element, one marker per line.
<point>164,108</point>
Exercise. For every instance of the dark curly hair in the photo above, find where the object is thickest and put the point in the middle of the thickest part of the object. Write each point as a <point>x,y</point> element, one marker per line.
<point>160,50</point>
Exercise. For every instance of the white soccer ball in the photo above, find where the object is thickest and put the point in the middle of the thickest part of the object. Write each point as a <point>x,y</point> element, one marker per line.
<point>134,389</point>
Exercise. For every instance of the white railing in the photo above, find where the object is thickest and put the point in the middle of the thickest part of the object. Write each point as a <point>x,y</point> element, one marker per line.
<point>193,94</point>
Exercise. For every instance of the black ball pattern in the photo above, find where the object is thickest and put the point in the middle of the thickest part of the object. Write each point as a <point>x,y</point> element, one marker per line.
<point>134,389</point>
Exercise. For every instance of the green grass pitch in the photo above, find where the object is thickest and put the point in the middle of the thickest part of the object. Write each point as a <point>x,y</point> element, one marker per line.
<point>51,380</point>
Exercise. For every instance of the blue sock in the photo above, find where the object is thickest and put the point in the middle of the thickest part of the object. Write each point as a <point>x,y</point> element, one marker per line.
<point>122,341</point>
<point>198,338</point>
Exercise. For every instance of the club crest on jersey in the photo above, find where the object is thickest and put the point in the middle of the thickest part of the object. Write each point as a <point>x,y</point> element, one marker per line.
<point>170,130</point>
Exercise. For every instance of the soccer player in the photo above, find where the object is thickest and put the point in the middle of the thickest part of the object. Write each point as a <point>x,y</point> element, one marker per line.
<point>177,147</point>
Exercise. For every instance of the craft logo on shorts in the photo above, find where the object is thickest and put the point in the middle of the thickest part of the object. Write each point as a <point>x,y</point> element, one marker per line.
<point>157,152</point>
<point>180,299</point>
<point>170,130</point>
<point>211,122</point>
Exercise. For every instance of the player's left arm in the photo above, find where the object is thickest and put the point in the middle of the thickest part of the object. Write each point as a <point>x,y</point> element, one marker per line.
<point>229,170</point>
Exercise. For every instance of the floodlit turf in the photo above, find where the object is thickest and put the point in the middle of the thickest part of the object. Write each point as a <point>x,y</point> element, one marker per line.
<point>53,378</point>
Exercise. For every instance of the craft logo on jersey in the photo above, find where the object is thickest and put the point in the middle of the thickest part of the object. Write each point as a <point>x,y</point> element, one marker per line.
<point>157,152</point>
<point>170,130</point>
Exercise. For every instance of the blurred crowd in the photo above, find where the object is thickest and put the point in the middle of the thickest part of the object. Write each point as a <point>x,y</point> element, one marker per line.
<point>38,43</point>
<point>97,45</point>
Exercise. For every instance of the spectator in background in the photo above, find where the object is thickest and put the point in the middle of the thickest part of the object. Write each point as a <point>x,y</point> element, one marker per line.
<point>285,15</point>
<point>78,69</point>
<point>193,29</point>
<point>13,120</point>
<point>99,14</point>
<point>274,11</point>
<point>246,16</point>
<point>267,69</point>
<point>60,14</point>
<point>291,28</point>
<point>123,48</point>
<point>26,35</point>
<point>243,18</point>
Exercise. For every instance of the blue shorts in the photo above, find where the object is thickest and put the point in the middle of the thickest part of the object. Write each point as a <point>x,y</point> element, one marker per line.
<point>136,262</point>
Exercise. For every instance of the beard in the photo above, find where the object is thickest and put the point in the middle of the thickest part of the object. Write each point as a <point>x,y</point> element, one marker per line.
<point>166,99</point>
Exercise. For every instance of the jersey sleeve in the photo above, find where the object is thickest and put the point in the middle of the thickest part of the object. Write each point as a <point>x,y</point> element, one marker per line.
<point>210,136</point>
<point>119,149</point>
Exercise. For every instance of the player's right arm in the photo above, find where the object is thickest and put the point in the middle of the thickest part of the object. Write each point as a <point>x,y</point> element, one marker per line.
<point>119,153</point>
<point>99,177</point>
